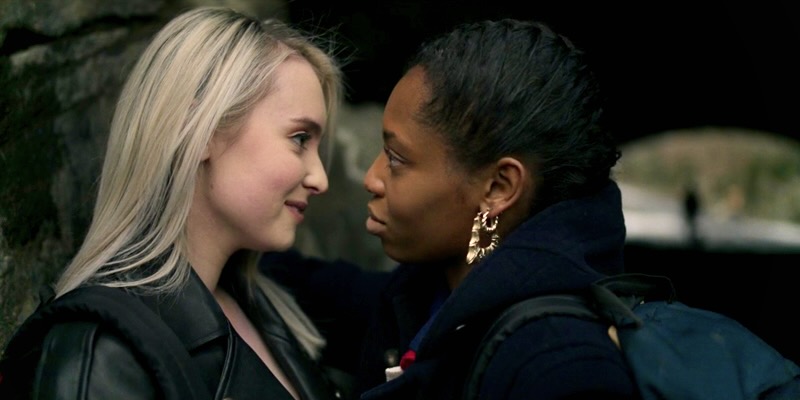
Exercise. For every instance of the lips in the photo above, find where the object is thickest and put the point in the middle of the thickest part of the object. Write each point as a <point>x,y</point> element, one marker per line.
<point>374,225</point>
<point>297,208</point>
<point>299,205</point>
<point>372,215</point>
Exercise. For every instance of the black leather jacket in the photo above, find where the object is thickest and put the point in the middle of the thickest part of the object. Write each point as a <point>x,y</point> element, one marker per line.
<point>85,360</point>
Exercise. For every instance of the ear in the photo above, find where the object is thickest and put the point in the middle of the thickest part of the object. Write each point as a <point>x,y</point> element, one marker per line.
<point>207,151</point>
<point>507,185</point>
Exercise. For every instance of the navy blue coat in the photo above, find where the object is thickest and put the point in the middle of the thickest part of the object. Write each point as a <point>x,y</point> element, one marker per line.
<point>562,248</point>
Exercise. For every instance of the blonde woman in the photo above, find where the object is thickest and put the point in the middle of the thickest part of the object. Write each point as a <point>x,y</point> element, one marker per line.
<point>212,157</point>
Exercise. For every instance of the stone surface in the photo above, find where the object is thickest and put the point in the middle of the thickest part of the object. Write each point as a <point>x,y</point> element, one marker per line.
<point>57,17</point>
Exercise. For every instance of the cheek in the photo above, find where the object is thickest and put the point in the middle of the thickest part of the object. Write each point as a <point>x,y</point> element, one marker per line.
<point>282,174</point>
<point>408,204</point>
<point>260,182</point>
<point>426,208</point>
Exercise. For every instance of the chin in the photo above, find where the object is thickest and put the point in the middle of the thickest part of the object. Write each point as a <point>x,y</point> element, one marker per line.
<point>406,255</point>
<point>397,255</point>
<point>280,244</point>
<point>280,247</point>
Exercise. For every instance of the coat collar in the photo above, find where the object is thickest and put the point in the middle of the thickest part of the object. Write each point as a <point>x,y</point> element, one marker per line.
<point>197,319</point>
<point>563,248</point>
<point>192,313</point>
<point>304,373</point>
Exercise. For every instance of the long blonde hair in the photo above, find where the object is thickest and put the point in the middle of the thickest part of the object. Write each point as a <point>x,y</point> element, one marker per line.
<point>201,74</point>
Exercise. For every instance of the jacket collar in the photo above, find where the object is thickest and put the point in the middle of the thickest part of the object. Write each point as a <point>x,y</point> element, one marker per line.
<point>192,313</point>
<point>303,372</point>
<point>197,319</point>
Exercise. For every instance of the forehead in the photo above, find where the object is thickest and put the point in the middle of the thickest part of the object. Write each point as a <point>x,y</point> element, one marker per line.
<point>409,94</point>
<point>296,80</point>
<point>401,123</point>
<point>296,93</point>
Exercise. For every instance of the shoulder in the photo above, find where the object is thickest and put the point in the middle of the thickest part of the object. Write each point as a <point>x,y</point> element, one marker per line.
<point>82,360</point>
<point>558,356</point>
<point>101,340</point>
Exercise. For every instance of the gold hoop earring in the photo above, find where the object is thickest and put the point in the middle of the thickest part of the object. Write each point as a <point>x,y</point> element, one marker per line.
<point>482,225</point>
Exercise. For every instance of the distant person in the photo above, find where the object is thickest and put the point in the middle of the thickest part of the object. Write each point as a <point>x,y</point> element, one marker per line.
<point>494,185</point>
<point>212,156</point>
<point>691,206</point>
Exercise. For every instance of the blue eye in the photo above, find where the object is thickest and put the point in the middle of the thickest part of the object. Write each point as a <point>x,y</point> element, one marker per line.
<point>301,138</point>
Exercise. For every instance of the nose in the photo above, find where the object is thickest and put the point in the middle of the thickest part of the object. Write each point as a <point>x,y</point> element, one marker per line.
<point>372,179</point>
<point>316,180</point>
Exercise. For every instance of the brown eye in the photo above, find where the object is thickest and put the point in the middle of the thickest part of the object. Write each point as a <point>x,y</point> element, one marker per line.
<point>393,159</point>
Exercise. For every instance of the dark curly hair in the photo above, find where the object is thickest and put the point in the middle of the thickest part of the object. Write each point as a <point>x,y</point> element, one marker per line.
<point>511,87</point>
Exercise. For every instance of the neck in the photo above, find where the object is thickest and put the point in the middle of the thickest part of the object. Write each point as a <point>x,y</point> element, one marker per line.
<point>456,273</point>
<point>205,253</point>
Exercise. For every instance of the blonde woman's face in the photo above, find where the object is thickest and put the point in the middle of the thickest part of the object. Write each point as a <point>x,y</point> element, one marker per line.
<point>254,186</point>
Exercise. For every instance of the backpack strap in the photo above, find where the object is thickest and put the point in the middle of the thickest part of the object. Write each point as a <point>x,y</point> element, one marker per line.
<point>122,314</point>
<point>518,315</point>
<point>616,296</point>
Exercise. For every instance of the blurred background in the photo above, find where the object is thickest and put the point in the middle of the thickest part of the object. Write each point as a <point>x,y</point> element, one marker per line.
<point>703,96</point>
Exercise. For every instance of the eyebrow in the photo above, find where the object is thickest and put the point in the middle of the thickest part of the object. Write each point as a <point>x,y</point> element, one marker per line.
<point>397,144</point>
<point>313,126</point>
<point>391,137</point>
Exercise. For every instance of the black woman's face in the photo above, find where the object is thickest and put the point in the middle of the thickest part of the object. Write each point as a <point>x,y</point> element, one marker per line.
<point>422,206</point>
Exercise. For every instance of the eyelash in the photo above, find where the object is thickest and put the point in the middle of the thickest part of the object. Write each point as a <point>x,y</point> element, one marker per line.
<point>394,161</point>
<point>301,138</point>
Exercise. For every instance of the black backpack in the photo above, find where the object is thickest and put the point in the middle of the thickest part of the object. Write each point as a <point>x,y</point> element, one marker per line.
<point>124,314</point>
<point>674,351</point>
